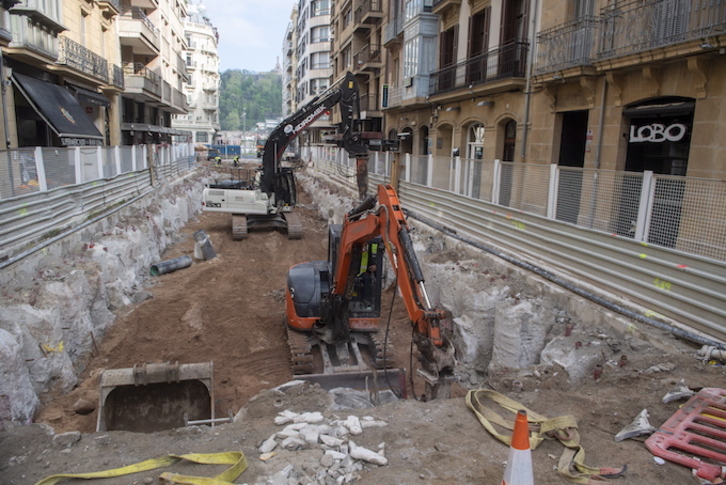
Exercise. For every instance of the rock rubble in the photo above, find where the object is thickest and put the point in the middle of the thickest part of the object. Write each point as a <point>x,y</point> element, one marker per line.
<point>341,458</point>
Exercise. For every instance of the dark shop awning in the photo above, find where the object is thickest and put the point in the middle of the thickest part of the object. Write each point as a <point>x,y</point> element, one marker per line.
<point>90,97</point>
<point>60,110</point>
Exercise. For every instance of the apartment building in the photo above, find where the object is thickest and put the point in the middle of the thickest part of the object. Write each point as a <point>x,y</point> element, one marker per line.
<point>202,87</point>
<point>357,30</point>
<point>151,34</point>
<point>528,80</point>
<point>289,66</point>
<point>313,68</point>
<point>626,86</point>
<point>63,63</point>
<point>93,72</point>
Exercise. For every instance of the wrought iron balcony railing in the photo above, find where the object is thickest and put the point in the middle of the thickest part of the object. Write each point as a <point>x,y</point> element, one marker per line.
<point>365,8</point>
<point>629,27</point>
<point>139,69</point>
<point>117,76</point>
<point>567,45</point>
<point>368,54</point>
<point>509,61</point>
<point>73,54</point>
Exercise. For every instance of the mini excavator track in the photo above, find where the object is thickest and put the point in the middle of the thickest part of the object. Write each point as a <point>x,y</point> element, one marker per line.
<point>318,362</point>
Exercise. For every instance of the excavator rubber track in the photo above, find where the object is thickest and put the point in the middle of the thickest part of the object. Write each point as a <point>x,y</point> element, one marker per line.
<point>301,352</point>
<point>294,225</point>
<point>382,355</point>
<point>239,227</point>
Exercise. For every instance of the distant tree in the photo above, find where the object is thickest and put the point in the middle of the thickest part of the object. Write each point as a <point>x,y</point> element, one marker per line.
<point>232,121</point>
<point>259,95</point>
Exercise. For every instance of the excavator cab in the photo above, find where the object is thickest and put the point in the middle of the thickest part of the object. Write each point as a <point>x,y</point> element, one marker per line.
<point>364,301</point>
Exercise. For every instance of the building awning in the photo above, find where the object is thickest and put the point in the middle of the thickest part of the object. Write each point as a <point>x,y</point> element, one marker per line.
<point>60,110</point>
<point>663,109</point>
<point>90,97</point>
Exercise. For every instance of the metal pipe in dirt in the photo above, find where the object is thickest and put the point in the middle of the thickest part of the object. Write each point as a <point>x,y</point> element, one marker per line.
<point>170,265</point>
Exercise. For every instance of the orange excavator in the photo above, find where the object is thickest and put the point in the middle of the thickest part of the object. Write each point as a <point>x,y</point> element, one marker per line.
<point>334,306</point>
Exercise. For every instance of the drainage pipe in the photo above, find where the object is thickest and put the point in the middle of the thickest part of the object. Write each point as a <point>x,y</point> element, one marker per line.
<point>171,265</point>
<point>204,245</point>
<point>684,334</point>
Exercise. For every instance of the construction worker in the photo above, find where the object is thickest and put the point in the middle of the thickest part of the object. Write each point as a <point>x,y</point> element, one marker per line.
<point>235,160</point>
<point>218,159</point>
<point>368,286</point>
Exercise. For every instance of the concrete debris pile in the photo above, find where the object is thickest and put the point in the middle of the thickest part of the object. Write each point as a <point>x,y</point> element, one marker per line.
<point>331,441</point>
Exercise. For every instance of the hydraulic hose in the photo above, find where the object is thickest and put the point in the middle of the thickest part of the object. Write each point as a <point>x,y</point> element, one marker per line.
<point>684,334</point>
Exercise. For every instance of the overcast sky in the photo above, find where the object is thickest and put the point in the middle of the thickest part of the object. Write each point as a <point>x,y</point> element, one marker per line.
<point>250,31</point>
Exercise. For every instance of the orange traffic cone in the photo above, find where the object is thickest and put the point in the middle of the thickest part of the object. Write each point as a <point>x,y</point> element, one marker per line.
<point>519,464</point>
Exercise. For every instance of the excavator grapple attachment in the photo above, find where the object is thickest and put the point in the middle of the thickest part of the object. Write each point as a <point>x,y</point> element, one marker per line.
<point>155,397</point>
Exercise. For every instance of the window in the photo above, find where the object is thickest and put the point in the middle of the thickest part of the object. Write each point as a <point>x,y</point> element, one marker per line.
<point>320,60</point>
<point>320,34</point>
<point>319,7</point>
<point>202,136</point>
<point>410,57</point>
<point>318,86</point>
<point>347,17</point>
<point>346,58</point>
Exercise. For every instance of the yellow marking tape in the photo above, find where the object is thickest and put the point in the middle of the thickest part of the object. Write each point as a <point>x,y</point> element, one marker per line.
<point>662,284</point>
<point>235,458</point>
<point>58,348</point>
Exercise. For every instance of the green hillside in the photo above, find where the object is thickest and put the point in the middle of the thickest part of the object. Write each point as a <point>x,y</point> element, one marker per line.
<point>257,94</point>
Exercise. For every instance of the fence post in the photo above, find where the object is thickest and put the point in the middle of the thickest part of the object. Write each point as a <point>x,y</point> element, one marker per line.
<point>99,162</point>
<point>645,207</point>
<point>77,164</point>
<point>553,191</point>
<point>457,174</point>
<point>117,156</point>
<point>40,170</point>
<point>430,171</point>
<point>407,163</point>
<point>496,182</point>
<point>470,177</point>
<point>133,158</point>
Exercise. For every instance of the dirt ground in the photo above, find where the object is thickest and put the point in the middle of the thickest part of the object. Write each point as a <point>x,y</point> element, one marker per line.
<point>230,311</point>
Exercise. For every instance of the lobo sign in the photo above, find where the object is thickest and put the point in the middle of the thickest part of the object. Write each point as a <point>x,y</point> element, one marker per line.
<point>657,132</point>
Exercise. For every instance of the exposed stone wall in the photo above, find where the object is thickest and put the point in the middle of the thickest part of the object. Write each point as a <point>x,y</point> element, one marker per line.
<point>60,300</point>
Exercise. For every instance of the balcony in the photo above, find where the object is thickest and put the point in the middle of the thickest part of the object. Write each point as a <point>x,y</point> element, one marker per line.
<point>141,83</point>
<point>116,76</point>
<point>393,32</point>
<point>368,59</point>
<point>110,8</point>
<point>507,62</point>
<point>568,45</point>
<point>179,102</point>
<point>368,13</point>
<point>632,27</point>
<point>181,67</point>
<point>442,7</point>
<point>136,30</point>
<point>191,65</point>
<point>74,55</point>
<point>39,11</point>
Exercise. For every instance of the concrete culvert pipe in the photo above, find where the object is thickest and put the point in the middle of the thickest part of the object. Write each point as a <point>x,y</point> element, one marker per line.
<point>170,265</point>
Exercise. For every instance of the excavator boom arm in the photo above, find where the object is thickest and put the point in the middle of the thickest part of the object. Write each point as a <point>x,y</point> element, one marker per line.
<point>345,93</point>
<point>389,222</point>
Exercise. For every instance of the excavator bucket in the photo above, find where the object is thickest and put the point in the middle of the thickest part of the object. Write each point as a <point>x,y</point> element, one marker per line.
<point>155,397</point>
